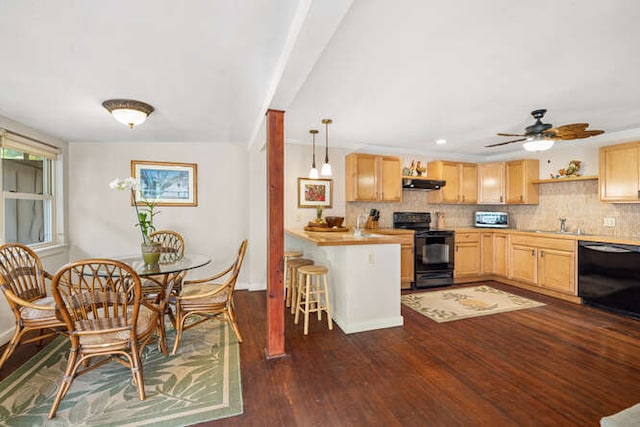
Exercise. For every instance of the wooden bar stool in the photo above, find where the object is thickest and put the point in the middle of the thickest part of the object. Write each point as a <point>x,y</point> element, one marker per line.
<point>292,286</point>
<point>288,255</point>
<point>316,295</point>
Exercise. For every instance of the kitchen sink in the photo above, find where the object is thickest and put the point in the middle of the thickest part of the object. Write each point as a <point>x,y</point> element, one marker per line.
<point>565,233</point>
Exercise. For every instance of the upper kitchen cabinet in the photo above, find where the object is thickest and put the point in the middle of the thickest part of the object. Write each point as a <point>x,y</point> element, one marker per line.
<point>461,182</point>
<point>371,178</point>
<point>520,188</point>
<point>620,173</point>
<point>491,183</point>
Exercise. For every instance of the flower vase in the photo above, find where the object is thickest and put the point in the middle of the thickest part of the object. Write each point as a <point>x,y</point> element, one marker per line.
<point>151,252</point>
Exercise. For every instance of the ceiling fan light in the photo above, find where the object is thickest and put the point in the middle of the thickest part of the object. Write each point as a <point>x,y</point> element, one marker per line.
<point>538,143</point>
<point>128,111</point>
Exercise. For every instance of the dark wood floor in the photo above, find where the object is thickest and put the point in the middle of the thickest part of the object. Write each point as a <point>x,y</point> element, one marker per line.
<point>557,365</point>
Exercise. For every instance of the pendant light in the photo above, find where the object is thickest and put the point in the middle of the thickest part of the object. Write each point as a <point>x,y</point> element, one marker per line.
<point>326,168</point>
<point>313,173</point>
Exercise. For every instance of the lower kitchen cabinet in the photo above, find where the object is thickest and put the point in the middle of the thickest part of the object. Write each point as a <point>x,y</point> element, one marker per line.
<point>467,254</point>
<point>545,262</point>
<point>494,253</point>
<point>407,265</point>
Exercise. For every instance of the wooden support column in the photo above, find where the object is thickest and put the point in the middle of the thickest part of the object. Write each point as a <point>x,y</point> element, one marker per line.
<point>275,233</point>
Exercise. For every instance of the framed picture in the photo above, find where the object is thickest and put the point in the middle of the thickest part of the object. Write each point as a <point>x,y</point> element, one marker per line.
<point>315,192</point>
<point>167,184</point>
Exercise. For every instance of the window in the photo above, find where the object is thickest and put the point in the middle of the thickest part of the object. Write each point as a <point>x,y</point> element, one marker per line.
<point>28,190</point>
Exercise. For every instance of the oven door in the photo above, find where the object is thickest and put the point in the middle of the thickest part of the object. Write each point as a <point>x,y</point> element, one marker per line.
<point>434,260</point>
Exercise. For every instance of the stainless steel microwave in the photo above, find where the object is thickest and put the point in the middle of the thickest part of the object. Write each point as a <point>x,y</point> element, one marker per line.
<point>492,219</point>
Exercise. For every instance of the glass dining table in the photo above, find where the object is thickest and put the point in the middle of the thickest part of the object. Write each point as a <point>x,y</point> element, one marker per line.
<point>160,281</point>
<point>187,262</point>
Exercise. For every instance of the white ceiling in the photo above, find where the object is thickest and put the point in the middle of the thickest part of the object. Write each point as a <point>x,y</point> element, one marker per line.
<point>391,74</point>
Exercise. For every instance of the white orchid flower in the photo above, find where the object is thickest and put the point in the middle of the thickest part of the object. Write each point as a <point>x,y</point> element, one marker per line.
<point>129,183</point>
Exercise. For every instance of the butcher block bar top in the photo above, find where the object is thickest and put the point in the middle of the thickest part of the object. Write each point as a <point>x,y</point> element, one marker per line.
<point>369,237</point>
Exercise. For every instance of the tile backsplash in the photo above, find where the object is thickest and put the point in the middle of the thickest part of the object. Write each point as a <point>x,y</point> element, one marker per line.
<point>577,201</point>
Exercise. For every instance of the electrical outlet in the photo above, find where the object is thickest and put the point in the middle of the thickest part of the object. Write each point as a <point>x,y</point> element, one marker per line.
<point>372,257</point>
<point>609,222</point>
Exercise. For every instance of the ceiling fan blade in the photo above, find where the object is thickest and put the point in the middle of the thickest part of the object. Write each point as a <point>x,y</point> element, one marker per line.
<point>573,126</point>
<point>572,131</point>
<point>505,143</point>
<point>586,134</point>
<point>509,134</point>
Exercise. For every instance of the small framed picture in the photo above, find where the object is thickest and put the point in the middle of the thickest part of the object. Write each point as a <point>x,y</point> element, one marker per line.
<point>315,192</point>
<point>165,183</point>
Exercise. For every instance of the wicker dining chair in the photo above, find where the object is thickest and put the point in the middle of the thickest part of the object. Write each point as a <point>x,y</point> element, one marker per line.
<point>22,280</point>
<point>153,287</point>
<point>101,303</point>
<point>205,300</point>
<point>172,245</point>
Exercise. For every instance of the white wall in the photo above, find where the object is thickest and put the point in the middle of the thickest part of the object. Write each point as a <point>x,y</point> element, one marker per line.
<point>102,220</point>
<point>297,164</point>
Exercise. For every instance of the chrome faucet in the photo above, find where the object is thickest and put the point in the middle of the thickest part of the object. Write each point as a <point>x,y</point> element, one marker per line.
<point>358,231</point>
<point>563,225</point>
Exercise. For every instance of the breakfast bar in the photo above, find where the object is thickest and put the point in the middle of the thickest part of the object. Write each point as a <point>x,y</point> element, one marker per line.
<point>364,275</point>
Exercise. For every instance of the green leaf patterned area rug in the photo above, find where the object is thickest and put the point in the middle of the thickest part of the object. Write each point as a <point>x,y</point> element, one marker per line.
<point>200,383</point>
<point>463,303</point>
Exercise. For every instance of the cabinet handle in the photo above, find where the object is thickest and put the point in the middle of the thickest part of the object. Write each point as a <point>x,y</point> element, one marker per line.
<point>382,194</point>
<point>638,194</point>
<point>456,248</point>
<point>533,252</point>
<point>521,198</point>
<point>463,197</point>
<point>501,198</point>
<point>541,254</point>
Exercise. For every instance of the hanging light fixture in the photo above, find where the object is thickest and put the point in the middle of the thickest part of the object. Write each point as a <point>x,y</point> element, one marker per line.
<point>128,111</point>
<point>538,143</point>
<point>326,168</point>
<point>313,173</point>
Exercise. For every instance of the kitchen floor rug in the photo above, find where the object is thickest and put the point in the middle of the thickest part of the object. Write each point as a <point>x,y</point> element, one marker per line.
<point>629,417</point>
<point>463,303</point>
<point>200,383</point>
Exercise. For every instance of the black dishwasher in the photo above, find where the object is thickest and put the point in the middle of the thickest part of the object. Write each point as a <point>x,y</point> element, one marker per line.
<point>609,276</point>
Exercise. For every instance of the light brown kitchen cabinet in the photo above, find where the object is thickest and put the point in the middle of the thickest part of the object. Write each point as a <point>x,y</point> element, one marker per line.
<point>520,175</point>
<point>545,262</point>
<point>494,253</point>
<point>371,178</point>
<point>467,254</point>
<point>491,183</point>
<point>407,269</point>
<point>461,182</point>
<point>500,254</point>
<point>407,251</point>
<point>620,173</point>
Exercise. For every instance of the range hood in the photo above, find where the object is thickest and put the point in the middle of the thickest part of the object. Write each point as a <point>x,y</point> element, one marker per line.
<point>419,183</point>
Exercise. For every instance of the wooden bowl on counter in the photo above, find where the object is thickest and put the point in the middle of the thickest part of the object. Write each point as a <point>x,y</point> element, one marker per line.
<point>334,221</point>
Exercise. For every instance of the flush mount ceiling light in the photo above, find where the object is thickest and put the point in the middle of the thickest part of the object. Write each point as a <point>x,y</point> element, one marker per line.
<point>326,168</point>
<point>128,111</point>
<point>313,173</point>
<point>538,143</point>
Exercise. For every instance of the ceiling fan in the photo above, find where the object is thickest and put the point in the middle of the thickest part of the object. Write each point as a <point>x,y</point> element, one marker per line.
<point>541,136</point>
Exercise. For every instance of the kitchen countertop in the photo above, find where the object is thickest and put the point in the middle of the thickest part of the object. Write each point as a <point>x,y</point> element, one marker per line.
<point>330,238</point>
<point>555,234</point>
